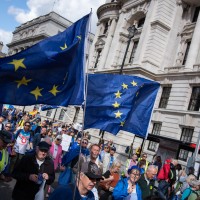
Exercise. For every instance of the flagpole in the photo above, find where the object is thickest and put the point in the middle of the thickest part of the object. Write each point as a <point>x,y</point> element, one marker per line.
<point>77,180</point>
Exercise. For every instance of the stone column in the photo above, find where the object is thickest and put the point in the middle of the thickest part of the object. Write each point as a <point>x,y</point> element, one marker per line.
<point>194,47</point>
<point>108,42</point>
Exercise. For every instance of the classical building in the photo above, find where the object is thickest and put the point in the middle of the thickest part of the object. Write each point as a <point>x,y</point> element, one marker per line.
<point>165,48</point>
<point>1,53</point>
<point>31,33</point>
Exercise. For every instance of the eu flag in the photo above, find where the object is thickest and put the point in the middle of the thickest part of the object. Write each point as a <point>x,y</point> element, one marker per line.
<point>50,72</point>
<point>48,107</point>
<point>119,102</point>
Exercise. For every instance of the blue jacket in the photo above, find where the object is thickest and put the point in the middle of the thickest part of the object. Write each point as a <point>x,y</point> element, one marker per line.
<point>67,192</point>
<point>121,190</point>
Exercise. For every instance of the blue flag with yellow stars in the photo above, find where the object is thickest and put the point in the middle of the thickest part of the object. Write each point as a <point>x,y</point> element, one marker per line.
<point>48,107</point>
<point>119,102</point>
<point>50,72</point>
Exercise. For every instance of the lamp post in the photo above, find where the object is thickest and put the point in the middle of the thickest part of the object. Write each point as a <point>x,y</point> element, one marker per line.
<point>131,32</point>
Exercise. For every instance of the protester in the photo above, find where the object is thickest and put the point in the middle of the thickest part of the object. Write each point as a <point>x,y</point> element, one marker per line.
<point>2,118</point>
<point>88,176</point>
<point>144,157</point>
<point>128,188</point>
<point>158,162</point>
<point>106,150</point>
<point>38,136</point>
<point>110,180</point>
<point>109,159</point>
<point>5,139</point>
<point>146,181</point>
<point>23,139</point>
<point>56,152</point>
<point>31,171</point>
<point>192,192</point>
<point>131,162</point>
<point>167,177</point>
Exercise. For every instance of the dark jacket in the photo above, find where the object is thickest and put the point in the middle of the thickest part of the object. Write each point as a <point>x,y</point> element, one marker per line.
<point>24,188</point>
<point>67,193</point>
<point>147,189</point>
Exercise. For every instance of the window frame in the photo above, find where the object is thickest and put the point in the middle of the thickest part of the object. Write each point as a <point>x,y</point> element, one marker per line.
<point>49,113</point>
<point>165,96</point>
<point>183,155</point>
<point>194,104</point>
<point>61,115</point>
<point>185,134</point>
<point>156,128</point>
<point>152,146</point>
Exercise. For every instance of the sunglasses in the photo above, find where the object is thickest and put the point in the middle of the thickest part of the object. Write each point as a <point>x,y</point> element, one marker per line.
<point>58,139</point>
<point>84,143</point>
<point>27,125</point>
<point>8,126</point>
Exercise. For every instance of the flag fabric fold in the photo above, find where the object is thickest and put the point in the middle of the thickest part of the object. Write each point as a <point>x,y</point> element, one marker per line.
<point>119,102</point>
<point>50,72</point>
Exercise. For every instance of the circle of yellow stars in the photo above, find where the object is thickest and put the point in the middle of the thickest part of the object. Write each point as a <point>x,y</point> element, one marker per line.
<point>116,104</point>
<point>19,63</point>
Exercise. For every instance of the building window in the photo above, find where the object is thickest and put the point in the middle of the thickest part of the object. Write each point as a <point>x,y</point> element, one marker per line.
<point>186,52</point>
<point>62,113</point>
<point>135,45</point>
<point>195,99</point>
<point>141,22</point>
<point>183,155</point>
<point>196,14</point>
<point>97,59</point>
<point>105,28</point>
<point>165,97</point>
<point>187,134</point>
<point>49,112</point>
<point>156,128</point>
<point>152,146</point>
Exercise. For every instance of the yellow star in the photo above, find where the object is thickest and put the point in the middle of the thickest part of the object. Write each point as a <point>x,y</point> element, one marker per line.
<point>118,94</point>
<point>64,47</point>
<point>79,37</point>
<point>124,86</point>
<point>118,114</point>
<point>116,105</point>
<point>54,90</point>
<point>36,92</point>
<point>122,123</point>
<point>134,83</point>
<point>24,81</point>
<point>18,63</point>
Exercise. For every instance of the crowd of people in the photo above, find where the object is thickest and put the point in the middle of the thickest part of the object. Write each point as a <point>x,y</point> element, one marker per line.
<point>31,152</point>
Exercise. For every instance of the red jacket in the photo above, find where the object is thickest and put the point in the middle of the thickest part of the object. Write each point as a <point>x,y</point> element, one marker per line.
<point>164,171</point>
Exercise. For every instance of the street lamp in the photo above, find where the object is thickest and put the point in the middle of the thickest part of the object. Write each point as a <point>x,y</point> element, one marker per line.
<point>131,32</point>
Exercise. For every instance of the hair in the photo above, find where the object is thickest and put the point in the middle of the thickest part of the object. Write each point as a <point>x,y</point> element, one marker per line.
<point>116,164</point>
<point>150,167</point>
<point>141,163</point>
<point>27,122</point>
<point>158,159</point>
<point>190,178</point>
<point>93,145</point>
<point>179,167</point>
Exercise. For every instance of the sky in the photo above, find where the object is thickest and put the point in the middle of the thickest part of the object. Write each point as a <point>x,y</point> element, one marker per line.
<point>15,12</point>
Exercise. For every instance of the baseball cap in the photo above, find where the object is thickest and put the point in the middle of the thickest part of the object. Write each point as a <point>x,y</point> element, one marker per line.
<point>6,136</point>
<point>113,148</point>
<point>43,146</point>
<point>91,170</point>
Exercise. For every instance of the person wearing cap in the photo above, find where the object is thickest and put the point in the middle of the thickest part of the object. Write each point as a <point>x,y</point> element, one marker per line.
<point>31,171</point>
<point>109,159</point>
<point>5,139</point>
<point>146,181</point>
<point>2,118</point>
<point>128,188</point>
<point>56,151</point>
<point>87,178</point>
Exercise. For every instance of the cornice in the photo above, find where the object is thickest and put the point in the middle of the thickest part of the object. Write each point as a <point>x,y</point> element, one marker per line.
<point>108,7</point>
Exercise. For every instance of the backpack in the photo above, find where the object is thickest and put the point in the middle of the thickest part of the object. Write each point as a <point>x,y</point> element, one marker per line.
<point>192,191</point>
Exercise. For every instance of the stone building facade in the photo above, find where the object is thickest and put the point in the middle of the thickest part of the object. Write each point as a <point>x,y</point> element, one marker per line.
<point>165,48</point>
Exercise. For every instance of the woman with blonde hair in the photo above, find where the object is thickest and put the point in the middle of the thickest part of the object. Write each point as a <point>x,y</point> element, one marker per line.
<point>110,180</point>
